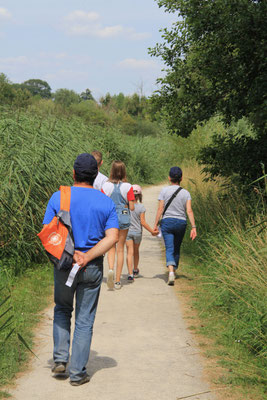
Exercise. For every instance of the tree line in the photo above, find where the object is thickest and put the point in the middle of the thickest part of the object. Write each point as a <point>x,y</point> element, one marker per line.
<point>131,113</point>
<point>20,94</point>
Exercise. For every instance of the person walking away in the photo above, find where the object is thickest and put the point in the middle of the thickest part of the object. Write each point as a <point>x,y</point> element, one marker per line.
<point>95,231</point>
<point>101,178</point>
<point>134,236</point>
<point>174,221</point>
<point>121,192</point>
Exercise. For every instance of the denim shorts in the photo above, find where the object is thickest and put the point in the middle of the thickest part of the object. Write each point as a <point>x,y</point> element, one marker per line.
<point>136,237</point>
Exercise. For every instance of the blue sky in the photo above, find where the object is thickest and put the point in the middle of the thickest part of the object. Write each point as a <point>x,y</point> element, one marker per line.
<point>96,44</point>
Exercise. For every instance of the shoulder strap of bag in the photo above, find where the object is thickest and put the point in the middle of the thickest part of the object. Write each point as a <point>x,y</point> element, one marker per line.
<point>65,192</point>
<point>171,199</point>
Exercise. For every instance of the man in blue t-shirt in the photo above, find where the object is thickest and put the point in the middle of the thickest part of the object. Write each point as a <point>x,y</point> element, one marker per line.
<point>95,231</point>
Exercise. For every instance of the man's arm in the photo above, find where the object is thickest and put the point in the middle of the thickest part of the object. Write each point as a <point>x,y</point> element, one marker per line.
<point>111,238</point>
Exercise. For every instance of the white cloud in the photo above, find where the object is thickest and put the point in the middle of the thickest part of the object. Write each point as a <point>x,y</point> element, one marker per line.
<point>81,23</point>
<point>12,61</point>
<point>60,56</point>
<point>109,31</point>
<point>4,13</point>
<point>133,63</point>
<point>79,15</point>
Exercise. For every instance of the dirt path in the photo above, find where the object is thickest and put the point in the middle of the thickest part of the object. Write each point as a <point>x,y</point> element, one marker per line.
<point>140,350</point>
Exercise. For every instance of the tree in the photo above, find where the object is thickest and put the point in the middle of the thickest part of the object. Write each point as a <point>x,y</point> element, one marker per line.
<point>87,95</point>
<point>37,87</point>
<point>236,152</point>
<point>216,59</point>
<point>106,100</point>
<point>7,93</point>
<point>66,97</point>
<point>11,93</point>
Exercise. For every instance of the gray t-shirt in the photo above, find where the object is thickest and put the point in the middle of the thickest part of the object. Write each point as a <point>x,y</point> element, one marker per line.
<point>99,181</point>
<point>177,208</point>
<point>136,226</point>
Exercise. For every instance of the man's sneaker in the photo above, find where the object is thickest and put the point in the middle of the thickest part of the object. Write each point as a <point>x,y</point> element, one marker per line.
<point>85,379</point>
<point>130,278</point>
<point>136,272</point>
<point>171,279</point>
<point>110,279</point>
<point>59,367</point>
<point>117,285</point>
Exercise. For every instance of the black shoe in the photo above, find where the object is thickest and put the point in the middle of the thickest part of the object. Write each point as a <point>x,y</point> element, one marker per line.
<point>130,278</point>
<point>85,379</point>
<point>59,367</point>
<point>136,272</point>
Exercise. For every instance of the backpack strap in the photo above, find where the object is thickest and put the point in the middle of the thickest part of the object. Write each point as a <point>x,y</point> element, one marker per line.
<point>65,192</point>
<point>171,199</point>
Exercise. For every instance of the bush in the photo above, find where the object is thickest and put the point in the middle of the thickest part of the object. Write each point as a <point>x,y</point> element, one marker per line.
<point>236,152</point>
<point>91,113</point>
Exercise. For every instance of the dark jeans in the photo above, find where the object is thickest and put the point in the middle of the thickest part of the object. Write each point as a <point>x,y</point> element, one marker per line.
<point>173,231</point>
<point>86,287</point>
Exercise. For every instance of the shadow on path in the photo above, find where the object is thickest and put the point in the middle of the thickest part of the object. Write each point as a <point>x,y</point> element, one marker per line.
<point>94,364</point>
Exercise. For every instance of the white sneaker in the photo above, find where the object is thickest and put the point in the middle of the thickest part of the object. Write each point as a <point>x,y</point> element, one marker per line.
<point>171,279</point>
<point>110,279</point>
<point>117,285</point>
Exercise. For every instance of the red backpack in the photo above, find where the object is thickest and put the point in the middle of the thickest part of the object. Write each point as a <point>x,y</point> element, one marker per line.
<point>57,237</point>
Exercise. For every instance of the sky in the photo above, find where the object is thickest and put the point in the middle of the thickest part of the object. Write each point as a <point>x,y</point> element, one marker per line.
<point>77,44</point>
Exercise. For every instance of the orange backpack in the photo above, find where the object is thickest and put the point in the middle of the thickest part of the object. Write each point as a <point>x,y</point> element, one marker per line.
<point>57,237</point>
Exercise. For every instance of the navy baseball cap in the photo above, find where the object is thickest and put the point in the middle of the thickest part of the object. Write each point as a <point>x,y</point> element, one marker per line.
<point>85,166</point>
<point>175,173</point>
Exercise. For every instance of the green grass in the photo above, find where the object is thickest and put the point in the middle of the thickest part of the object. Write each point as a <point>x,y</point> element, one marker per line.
<point>30,292</point>
<point>4,395</point>
<point>228,264</point>
<point>242,370</point>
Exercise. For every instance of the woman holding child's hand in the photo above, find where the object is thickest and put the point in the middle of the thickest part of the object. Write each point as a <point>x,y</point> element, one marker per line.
<point>174,205</point>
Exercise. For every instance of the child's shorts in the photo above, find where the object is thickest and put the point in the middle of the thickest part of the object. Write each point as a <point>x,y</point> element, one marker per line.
<point>136,237</point>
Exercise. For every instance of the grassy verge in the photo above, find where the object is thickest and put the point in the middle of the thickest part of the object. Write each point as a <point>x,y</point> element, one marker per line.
<point>228,288</point>
<point>30,293</point>
<point>233,373</point>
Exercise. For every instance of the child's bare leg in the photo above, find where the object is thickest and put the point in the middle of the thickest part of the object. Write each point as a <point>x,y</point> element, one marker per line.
<point>120,253</point>
<point>111,257</point>
<point>130,253</point>
<point>136,255</point>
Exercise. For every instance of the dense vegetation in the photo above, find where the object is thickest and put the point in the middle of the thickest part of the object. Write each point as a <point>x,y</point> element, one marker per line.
<point>37,157</point>
<point>229,268</point>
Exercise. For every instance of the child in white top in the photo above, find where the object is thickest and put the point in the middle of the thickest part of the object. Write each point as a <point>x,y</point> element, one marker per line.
<point>134,235</point>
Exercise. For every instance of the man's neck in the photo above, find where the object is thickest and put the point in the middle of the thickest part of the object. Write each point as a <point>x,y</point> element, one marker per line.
<point>82,184</point>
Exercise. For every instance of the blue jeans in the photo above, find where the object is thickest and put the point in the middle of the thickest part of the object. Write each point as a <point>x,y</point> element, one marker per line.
<point>173,231</point>
<point>86,287</point>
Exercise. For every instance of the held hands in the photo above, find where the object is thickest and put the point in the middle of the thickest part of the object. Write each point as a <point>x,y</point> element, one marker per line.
<point>80,258</point>
<point>155,232</point>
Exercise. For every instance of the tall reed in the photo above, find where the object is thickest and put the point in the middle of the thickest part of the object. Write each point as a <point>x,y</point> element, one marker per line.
<point>37,155</point>
<point>231,260</point>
